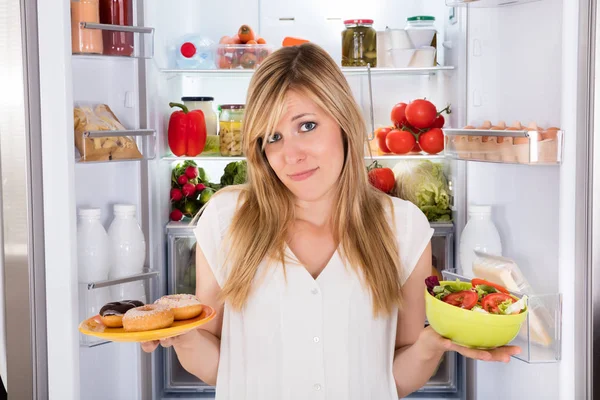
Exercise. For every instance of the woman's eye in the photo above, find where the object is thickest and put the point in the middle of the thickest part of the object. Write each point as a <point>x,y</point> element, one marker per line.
<point>274,137</point>
<point>307,126</point>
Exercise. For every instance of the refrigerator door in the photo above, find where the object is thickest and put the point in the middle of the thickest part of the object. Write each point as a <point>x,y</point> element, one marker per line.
<point>23,348</point>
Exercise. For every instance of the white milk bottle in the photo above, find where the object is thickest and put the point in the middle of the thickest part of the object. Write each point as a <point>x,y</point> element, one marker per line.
<point>127,243</point>
<point>480,234</point>
<point>93,251</point>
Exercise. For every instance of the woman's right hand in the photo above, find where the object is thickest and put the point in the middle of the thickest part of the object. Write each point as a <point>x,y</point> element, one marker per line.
<point>177,341</point>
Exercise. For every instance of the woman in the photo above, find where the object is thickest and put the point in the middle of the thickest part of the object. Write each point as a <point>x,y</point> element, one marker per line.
<point>317,278</point>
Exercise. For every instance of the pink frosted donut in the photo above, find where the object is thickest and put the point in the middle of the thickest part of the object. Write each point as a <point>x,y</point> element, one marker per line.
<point>185,306</point>
<point>148,318</point>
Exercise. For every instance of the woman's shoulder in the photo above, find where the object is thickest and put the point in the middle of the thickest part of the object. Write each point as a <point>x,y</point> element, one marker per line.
<point>406,211</point>
<point>223,205</point>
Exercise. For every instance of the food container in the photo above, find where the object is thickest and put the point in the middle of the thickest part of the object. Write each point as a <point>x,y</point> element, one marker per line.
<point>421,31</point>
<point>470,328</point>
<point>402,58</point>
<point>205,104</point>
<point>359,43</point>
<point>384,58</point>
<point>423,58</point>
<point>241,56</point>
<point>85,41</point>
<point>230,125</point>
<point>116,12</point>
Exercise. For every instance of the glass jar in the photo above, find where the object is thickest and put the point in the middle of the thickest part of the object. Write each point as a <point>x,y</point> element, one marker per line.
<point>85,41</point>
<point>422,32</point>
<point>230,126</point>
<point>359,43</point>
<point>116,12</point>
<point>205,104</point>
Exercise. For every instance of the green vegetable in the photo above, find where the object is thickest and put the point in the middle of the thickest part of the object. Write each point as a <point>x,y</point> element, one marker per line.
<point>235,173</point>
<point>442,291</point>
<point>205,196</point>
<point>504,306</point>
<point>484,290</point>
<point>424,184</point>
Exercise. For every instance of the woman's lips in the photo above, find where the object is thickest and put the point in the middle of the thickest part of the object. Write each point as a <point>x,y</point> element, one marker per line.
<point>303,175</point>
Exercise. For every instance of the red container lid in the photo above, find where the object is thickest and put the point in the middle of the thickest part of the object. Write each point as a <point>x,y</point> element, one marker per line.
<point>358,21</point>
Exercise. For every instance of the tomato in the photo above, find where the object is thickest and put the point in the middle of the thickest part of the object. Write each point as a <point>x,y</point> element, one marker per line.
<point>383,179</point>
<point>432,141</point>
<point>490,302</point>
<point>465,299</point>
<point>416,148</point>
<point>380,135</point>
<point>439,122</point>
<point>478,281</point>
<point>398,115</point>
<point>421,113</point>
<point>400,142</point>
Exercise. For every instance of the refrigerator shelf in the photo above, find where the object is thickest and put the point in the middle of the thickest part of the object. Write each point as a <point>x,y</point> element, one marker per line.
<point>144,139</point>
<point>140,37</point>
<point>346,70</point>
<point>486,3</point>
<point>113,282</point>
<point>504,146</point>
<point>378,157</point>
<point>540,334</point>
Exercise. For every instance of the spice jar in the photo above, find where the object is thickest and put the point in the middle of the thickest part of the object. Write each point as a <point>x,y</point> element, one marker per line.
<point>359,43</point>
<point>230,126</point>
<point>205,104</point>
<point>116,12</point>
<point>85,41</point>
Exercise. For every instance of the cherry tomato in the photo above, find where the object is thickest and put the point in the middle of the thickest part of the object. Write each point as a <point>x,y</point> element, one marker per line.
<point>400,142</point>
<point>465,299</point>
<point>439,122</point>
<point>432,141</point>
<point>380,135</point>
<point>421,113</point>
<point>478,281</point>
<point>398,115</point>
<point>490,302</point>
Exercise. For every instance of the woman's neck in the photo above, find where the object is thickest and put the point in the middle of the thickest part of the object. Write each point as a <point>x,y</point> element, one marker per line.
<point>317,212</point>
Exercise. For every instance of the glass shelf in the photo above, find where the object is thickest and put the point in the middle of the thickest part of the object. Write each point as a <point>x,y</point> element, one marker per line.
<point>144,149</point>
<point>486,3</point>
<point>508,147</point>
<point>141,39</point>
<point>390,157</point>
<point>540,334</point>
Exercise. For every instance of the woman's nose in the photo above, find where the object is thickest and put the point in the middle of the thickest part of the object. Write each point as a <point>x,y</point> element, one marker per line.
<point>293,151</point>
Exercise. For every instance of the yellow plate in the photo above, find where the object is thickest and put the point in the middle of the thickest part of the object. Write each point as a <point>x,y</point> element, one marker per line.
<point>94,327</point>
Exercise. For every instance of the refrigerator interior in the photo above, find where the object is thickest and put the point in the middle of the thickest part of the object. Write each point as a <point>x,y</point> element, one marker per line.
<point>504,59</point>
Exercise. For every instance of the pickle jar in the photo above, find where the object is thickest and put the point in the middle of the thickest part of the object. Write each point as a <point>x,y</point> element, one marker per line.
<point>230,129</point>
<point>359,43</point>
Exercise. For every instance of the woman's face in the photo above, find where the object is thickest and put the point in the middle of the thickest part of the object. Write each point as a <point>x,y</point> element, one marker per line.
<point>306,151</point>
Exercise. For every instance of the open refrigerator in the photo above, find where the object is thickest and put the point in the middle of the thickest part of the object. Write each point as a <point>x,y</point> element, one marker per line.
<point>498,60</point>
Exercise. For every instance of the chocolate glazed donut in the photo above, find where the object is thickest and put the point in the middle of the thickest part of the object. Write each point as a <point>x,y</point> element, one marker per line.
<point>112,313</point>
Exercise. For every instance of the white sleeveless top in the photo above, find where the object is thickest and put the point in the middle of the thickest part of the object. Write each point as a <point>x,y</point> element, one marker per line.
<point>307,338</point>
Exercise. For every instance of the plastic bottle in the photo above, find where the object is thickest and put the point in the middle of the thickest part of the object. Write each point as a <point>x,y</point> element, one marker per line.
<point>127,243</point>
<point>195,52</point>
<point>480,234</point>
<point>93,252</point>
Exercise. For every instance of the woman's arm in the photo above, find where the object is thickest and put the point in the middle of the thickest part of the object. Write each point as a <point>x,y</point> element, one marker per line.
<point>419,351</point>
<point>198,351</point>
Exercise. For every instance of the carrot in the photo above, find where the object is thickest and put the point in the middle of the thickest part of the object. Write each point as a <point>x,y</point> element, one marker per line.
<point>236,40</point>
<point>224,40</point>
<point>246,33</point>
<point>292,41</point>
<point>261,41</point>
<point>251,42</point>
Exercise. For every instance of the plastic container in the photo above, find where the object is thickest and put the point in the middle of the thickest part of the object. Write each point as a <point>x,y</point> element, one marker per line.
<point>85,41</point>
<point>194,52</point>
<point>116,12</point>
<point>359,43</point>
<point>127,243</point>
<point>399,39</point>
<point>402,58</point>
<point>230,133</point>
<point>93,251</point>
<point>241,56</point>
<point>422,32</point>
<point>423,57</point>
<point>481,234</point>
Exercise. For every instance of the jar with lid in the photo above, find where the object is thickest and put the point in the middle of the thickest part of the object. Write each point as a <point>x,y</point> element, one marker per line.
<point>205,104</point>
<point>116,12</point>
<point>422,33</point>
<point>230,125</point>
<point>85,41</point>
<point>359,43</point>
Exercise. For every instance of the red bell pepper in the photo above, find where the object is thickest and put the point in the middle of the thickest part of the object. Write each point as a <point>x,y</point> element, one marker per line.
<point>187,131</point>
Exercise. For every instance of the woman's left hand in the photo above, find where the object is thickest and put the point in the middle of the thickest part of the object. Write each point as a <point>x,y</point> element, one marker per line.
<point>432,341</point>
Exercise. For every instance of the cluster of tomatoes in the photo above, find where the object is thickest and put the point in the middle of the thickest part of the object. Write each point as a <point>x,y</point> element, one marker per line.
<point>417,127</point>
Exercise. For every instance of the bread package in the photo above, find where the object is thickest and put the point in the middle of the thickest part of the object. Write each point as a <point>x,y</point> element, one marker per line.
<point>99,117</point>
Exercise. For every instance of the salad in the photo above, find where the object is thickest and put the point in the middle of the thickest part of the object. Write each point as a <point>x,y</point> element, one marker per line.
<point>483,296</point>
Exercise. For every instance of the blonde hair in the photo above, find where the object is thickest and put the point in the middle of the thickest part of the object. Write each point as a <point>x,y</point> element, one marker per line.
<point>360,223</point>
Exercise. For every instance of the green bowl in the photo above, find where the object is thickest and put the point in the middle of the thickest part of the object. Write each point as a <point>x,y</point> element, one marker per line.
<point>470,328</point>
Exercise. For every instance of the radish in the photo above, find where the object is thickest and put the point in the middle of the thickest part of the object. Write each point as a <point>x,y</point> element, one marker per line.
<point>188,190</point>
<point>182,180</point>
<point>191,172</point>
<point>176,194</point>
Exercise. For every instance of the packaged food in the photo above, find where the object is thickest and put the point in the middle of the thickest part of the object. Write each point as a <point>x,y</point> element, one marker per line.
<point>99,117</point>
<point>359,43</point>
<point>230,124</point>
